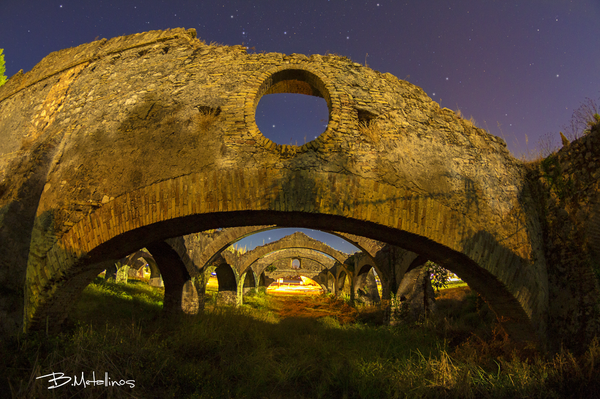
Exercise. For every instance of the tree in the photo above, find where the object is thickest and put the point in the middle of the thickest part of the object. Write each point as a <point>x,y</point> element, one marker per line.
<point>2,68</point>
<point>439,276</point>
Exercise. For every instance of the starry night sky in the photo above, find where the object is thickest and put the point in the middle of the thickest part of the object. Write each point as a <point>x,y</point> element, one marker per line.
<point>519,67</point>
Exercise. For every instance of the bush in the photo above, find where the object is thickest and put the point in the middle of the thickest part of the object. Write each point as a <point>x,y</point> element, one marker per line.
<point>585,118</point>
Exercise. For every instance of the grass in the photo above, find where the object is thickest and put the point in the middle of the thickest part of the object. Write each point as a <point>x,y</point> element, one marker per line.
<point>300,347</point>
<point>371,130</point>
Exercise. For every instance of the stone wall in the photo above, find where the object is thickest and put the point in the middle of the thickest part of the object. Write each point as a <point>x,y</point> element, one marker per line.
<point>569,184</point>
<point>76,187</point>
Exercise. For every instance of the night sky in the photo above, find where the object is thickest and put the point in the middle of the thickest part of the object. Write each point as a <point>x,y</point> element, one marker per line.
<point>519,68</point>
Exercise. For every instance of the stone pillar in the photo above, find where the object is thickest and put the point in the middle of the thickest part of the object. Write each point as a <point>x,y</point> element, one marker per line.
<point>415,298</point>
<point>156,281</point>
<point>189,298</point>
<point>200,282</point>
<point>111,273</point>
<point>122,274</point>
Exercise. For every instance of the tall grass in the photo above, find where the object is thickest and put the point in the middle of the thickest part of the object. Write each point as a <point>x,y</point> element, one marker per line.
<point>253,352</point>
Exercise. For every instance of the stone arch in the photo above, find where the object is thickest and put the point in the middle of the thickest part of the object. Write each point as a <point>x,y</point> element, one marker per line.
<point>289,253</point>
<point>227,277</point>
<point>365,284</point>
<point>321,276</point>
<point>203,253</point>
<point>249,280</point>
<point>296,240</point>
<point>330,282</point>
<point>71,245</point>
<point>343,283</point>
<point>469,209</point>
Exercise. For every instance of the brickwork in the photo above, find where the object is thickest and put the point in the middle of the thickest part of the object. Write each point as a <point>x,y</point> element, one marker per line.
<point>391,166</point>
<point>569,182</point>
<point>297,240</point>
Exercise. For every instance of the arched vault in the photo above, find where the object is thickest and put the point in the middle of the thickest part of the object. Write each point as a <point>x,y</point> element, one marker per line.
<point>115,144</point>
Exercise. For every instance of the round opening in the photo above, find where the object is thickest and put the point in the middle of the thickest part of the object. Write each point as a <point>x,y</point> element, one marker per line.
<point>293,119</point>
<point>292,107</point>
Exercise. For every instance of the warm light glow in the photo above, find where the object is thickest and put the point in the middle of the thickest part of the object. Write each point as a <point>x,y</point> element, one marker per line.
<point>212,284</point>
<point>301,286</point>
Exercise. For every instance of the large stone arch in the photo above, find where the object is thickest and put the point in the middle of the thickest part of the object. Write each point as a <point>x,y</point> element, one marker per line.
<point>296,240</point>
<point>391,166</point>
<point>204,247</point>
<point>321,275</point>
<point>325,262</point>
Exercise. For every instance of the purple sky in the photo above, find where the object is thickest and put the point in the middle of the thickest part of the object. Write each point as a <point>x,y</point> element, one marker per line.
<point>519,68</point>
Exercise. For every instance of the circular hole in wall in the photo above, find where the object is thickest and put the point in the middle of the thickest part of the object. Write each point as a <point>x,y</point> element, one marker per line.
<point>292,107</point>
<point>290,118</point>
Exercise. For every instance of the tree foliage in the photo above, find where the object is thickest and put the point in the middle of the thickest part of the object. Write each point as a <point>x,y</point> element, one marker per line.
<point>2,68</point>
<point>439,276</point>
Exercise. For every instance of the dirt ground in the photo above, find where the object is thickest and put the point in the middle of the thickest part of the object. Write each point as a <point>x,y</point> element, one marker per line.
<point>313,307</point>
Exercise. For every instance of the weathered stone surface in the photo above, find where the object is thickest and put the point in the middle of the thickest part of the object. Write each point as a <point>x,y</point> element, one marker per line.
<point>296,240</point>
<point>569,193</point>
<point>415,298</point>
<point>115,144</point>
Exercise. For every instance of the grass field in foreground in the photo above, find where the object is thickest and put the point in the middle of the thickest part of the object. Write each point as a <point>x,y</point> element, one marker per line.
<point>297,347</point>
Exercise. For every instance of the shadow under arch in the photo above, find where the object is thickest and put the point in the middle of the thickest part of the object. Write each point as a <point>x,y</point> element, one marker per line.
<point>515,320</point>
<point>320,274</point>
<point>229,236</point>
<point>324,201</point>
<point>365,281</point>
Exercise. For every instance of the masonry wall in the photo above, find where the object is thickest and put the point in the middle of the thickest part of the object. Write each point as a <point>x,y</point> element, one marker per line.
<point>77,189</point>
<point>569,184</point>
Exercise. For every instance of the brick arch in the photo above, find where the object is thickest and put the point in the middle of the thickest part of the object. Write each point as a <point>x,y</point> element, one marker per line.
<point>249,280</point>
<point>326,263</point>
<point>419,177</point>
<point>260,264</point>
<point>330,282</point>
<point>154,269</point>
<point>343,282</point>
<point>295,240</point>
<point>219,240</point>
<point>201,256</point>
<point>227,277</point>
<point>106,228</point>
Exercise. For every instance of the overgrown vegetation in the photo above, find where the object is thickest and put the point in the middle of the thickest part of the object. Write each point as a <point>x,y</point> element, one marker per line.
<point>371,130</point>
<point>258,351</point>
<point>552,173</point>
<point>207,117</point>
<point>585,118</point>
<point>438,275</point>
<point>2,68</point>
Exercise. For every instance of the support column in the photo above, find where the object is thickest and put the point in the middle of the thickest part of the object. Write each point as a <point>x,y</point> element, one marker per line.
<point>174,273</point>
